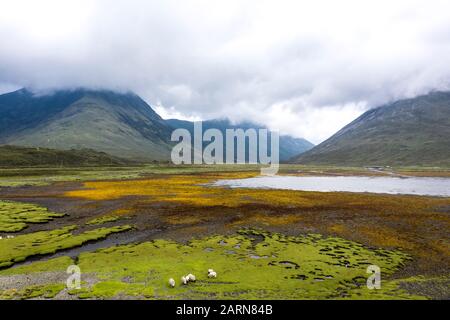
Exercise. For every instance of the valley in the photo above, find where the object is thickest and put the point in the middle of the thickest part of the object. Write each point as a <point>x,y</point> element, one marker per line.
<point>87,182</point>
<point>130,229</point>
<point>224,157</point>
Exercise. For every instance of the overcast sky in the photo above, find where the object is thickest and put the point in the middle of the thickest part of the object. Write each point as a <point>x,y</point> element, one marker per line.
<point>306,68</point>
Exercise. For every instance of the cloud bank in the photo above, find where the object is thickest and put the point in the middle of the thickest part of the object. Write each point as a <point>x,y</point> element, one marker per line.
<point>304,67</point>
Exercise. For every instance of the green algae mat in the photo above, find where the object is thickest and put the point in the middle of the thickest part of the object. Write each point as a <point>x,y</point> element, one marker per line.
<point>252,264</point>
<point>45,242</point>
<point>15,216</point>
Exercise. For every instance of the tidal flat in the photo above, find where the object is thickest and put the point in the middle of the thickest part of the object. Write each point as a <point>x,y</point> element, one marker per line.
<point>131,229</point>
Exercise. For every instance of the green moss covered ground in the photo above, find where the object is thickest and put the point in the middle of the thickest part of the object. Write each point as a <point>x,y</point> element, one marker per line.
<point>250,265</point>
<point>35,176</point>
<point>55,264</point>
<point>38,291</point>
<point>38,176</point>
<point>15,216</point>
<point>38,243</point>
<point>104,219</point>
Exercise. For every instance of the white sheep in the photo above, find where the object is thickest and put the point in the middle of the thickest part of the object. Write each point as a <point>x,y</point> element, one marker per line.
<point>212,274</point>
<point>184,280</point>
<point>171,282</point>
<point>9,237</point>
<point>211,271</point>
<point>190,277</point>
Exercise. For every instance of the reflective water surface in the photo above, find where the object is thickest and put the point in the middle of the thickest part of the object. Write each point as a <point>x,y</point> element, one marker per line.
<point>392,185</point>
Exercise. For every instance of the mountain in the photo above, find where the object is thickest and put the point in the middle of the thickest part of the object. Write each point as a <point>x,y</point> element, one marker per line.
<point>410,132</point>
<point>13,156</point>
<point>289,146</point>
<point>119,124</point>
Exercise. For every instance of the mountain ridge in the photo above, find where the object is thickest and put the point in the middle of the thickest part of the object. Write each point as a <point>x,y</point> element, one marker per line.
<point>407,132</point>
<point>289,146</point>
<point>119,124</point>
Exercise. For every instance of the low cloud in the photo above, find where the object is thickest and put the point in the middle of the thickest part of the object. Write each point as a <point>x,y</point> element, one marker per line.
<point>306,68</point>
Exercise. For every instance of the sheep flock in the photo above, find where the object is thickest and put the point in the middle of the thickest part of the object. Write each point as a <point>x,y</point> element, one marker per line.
<point>191,278</point>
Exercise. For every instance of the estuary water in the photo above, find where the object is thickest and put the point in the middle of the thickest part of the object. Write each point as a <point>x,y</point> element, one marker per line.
<point>425,186</point>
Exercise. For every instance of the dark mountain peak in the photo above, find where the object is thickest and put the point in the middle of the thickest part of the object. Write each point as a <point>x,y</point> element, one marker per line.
<point>118,123</point>
<point>23,91</point>
<point>411,131</point>
<point>57,100</point>
<point>79,93</point>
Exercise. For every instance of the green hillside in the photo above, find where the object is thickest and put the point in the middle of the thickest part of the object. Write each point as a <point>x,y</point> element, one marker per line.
<point>411,132</point>
<point>122,125</point>
<point>13,156</point>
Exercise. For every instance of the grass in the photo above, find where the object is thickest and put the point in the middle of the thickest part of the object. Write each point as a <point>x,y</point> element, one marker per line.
<point>252,264</point>
<point>45,242</point>
<point>406,233</point>
<point>59,264</point>
<point>38,291</point>
<point>102,220</point>
<point>15,156</point>
<point>16,216</point>
<point>45,176</point>
<point>40,176</point>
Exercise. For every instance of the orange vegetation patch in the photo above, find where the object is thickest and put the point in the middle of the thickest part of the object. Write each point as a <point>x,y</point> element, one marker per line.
<point>122,212</point>
<point>194,190</point>
<point>419,225</point>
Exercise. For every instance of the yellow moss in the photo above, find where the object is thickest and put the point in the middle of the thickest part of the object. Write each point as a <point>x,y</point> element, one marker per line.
<point>195,190</point>
<point>337,228</point>
<point>122,212</point>
<point>268,219</point>
<point>374,219</point>
<point>385,236</point>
